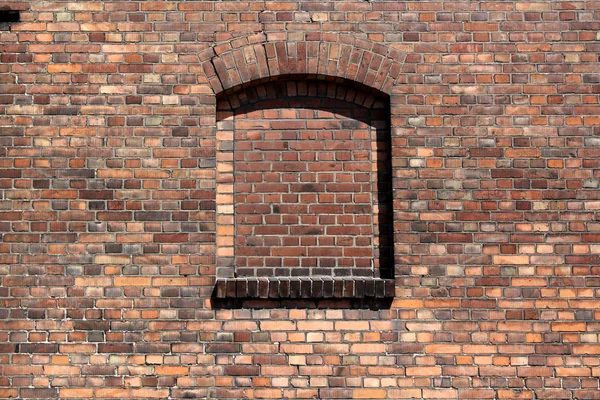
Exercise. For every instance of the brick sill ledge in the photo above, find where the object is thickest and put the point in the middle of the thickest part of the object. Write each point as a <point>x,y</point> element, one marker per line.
<point>304,288</point>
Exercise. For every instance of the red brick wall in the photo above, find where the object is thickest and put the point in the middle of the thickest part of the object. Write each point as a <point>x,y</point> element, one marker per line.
<point>118,199</point>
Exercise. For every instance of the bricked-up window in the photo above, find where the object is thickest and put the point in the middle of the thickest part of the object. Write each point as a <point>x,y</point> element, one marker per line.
<point>304,182</point>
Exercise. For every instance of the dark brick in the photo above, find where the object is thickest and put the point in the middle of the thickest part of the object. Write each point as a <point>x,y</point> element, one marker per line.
<point>38,348</point>
<point>241,370</point>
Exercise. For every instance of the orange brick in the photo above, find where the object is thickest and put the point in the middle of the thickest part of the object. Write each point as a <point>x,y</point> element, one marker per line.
<point>171,370</point>
<point>370,393</point>
<point>132,281</point>
<point>149,393</point>
<point>112,393</point>
<point>74,393</point>
<point>442,349</point>
<point>569,326</point>
<point>423,371</point>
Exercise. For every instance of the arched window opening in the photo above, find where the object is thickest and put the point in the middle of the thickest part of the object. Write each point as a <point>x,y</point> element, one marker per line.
<point>304,187</point>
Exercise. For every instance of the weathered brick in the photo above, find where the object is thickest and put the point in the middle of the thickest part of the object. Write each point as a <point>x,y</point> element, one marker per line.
<point>37,393</point>
<point>451,147</point>
<point>241,370</point>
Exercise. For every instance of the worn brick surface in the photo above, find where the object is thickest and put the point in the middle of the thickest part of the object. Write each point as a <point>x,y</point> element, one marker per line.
<point>132,140</point>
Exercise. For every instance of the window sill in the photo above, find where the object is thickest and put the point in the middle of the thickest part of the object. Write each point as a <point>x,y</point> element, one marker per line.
<point>304,288</point>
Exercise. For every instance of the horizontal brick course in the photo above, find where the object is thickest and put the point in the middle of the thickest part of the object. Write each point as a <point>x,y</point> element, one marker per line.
<point>304,287</point>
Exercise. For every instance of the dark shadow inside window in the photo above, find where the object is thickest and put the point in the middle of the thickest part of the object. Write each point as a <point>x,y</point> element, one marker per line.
<point>8,17</point>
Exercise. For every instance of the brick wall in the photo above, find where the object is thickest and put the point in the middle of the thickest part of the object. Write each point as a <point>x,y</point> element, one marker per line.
<point>125,128</point>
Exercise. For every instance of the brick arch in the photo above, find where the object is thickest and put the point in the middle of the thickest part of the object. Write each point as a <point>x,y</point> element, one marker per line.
<point>255,58</point>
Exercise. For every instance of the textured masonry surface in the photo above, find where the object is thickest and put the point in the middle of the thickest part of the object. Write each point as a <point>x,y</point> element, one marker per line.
<point>130,131</point>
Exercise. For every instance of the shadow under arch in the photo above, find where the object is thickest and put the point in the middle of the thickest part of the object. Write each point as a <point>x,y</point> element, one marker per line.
<point>355,105</point>
<point>275,92</point>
